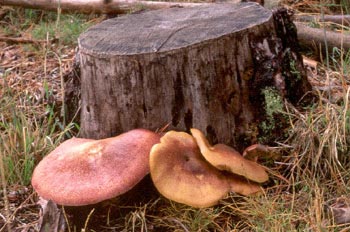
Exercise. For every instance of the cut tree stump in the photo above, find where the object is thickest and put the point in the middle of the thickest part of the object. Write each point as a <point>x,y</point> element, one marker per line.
<point>204,67</point>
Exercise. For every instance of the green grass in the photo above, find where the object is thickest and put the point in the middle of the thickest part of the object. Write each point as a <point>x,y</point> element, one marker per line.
<point>67,29</point>
<point>42,25</point>
<point>29,130</point>
<point>321,137</point>
<point>26,134</point>
<point>345,6</point>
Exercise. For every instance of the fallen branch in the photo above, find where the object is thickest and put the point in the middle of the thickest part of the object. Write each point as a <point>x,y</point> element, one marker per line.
<point>97,6</point>
<point>307,35</point>
<point>22,40</point>
<point>338,19</point>
<point>314,37</point>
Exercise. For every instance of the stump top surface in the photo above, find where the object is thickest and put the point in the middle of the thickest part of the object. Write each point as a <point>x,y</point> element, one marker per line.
<point>169,29</point>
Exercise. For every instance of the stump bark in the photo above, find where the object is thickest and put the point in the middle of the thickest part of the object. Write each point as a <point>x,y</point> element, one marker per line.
<point>202,67</point>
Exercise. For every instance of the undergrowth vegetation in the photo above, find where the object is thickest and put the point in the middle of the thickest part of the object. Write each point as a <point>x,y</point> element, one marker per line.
<point>311,175</point>
<point>26,134</point>
<point>43,25</point>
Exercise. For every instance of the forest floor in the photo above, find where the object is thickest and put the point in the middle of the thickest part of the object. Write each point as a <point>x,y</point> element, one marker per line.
<point>312,177</point>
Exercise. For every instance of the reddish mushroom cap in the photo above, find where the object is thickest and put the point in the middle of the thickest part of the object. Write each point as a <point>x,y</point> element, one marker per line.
<point>85,171</point>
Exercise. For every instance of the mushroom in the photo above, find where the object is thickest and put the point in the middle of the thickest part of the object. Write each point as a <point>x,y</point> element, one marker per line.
<point>240,185</point>
<point>228,159</point>
<point>180,173</point>
<point>85,171</point>
<point>256,151</point>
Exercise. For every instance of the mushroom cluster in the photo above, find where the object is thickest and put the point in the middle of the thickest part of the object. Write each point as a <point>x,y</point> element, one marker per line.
<point>187,169</point>
<point>183,167</point>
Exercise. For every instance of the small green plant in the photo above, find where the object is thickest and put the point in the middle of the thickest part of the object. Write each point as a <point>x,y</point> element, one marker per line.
<point>340,61</point>
<point>294,70</point>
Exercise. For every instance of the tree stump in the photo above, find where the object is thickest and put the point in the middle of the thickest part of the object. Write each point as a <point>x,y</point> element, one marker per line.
<point>202,67</point>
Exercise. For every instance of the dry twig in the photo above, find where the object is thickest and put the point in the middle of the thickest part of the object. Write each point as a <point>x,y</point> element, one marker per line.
<point>22,40</point>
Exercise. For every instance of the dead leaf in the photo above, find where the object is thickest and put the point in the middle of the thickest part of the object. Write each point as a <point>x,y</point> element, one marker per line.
<point>52,218</point>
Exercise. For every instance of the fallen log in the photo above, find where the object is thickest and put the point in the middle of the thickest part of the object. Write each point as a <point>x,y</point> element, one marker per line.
<point>318,38</point>
<point>97,6</point>
<point>308,36</point>
<point>109,6</point>
<point>338,19</point>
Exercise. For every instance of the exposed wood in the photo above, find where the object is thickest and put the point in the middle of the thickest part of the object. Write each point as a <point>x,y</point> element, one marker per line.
<point>291,62</point>
<point>190,67</point>
<point>338,19</point>
<point>96,6</point>
<point>315,38</point>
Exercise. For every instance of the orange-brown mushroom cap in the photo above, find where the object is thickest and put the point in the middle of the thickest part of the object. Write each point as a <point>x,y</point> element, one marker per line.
<point>242,186</point>
<point>256,151</point>
<point>180,173</point>
<point>226,158</point>
<point>85,171</point>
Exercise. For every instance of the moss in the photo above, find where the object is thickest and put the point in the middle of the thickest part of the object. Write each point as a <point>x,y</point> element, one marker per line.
<point>273,125</point>
<point>273,102</point>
